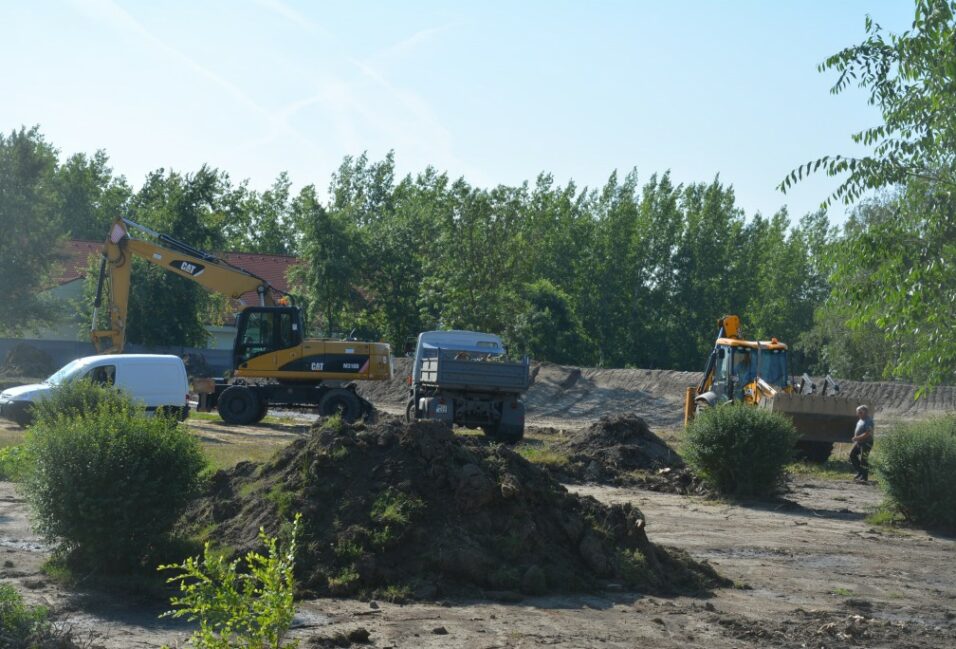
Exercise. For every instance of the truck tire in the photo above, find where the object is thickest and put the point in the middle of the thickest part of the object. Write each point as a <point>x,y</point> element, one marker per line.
<point>816,452</point>
<point>504,433</point>
<point>410,412</point>
<point>238,405</point>
<point>342,402</point>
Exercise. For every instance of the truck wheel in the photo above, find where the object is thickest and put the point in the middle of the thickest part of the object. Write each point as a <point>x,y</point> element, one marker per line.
<point>817,452</point>
<point>410,411</point>
<point>342,402</point>
<point>238,405</point>
<point>504,433</point>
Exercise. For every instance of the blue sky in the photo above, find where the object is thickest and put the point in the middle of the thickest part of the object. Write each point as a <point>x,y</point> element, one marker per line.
<point>494,91</point>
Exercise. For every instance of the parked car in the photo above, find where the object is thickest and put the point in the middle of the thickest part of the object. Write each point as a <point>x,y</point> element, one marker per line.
<point>156,381</point>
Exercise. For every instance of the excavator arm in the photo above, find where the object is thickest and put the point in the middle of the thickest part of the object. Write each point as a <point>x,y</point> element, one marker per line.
<point>211,272</point>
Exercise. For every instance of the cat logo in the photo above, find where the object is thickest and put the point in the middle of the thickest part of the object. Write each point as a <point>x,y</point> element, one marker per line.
<point>318,367</point>
<point>188,267</point>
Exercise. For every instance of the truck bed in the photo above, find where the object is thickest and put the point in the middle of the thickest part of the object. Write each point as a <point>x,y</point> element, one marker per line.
<point>475,376</point>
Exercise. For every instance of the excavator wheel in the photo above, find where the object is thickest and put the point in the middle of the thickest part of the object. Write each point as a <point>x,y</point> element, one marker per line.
<point>263,411</point>
<point>816,452</point>
<point>239,405</point>
<point>342,402</point>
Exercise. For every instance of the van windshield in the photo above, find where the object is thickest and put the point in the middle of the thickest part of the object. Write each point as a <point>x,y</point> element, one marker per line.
<point>65,373</point>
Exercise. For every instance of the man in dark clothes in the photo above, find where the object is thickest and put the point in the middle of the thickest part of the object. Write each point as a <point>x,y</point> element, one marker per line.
<point>862,444</point>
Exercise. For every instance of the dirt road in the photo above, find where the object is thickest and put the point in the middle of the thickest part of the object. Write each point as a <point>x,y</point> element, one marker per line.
<point>810,573</point>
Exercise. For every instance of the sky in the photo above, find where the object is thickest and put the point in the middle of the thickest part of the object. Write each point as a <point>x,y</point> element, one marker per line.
<point>497,92</point>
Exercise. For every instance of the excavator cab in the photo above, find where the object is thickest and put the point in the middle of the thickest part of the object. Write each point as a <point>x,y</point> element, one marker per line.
<point>266,329</point>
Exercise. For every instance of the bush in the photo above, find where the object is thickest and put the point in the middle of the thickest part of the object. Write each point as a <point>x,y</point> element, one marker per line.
<point>740,450</point>
<point>916,464</point>
<point>108,482</point>
<point>248,607</point>
<point>14,463</point>
<point>76,398</point>
<point>26,627</point>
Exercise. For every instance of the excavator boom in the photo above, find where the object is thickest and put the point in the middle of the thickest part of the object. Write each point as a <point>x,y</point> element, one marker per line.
<point>211,272</point>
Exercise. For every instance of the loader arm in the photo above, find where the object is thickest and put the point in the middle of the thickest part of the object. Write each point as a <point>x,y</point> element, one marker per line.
<point>211,272</point>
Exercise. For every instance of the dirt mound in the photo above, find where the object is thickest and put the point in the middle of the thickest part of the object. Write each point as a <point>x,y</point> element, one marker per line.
<point>392,393</point>
<point>26,360</point>
<point>622,450</point>
<point>400,510</point>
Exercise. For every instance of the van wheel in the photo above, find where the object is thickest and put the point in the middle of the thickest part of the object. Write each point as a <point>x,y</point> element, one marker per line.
<point>23,415</point>
<point>238,405</point>
<point>339,401</point>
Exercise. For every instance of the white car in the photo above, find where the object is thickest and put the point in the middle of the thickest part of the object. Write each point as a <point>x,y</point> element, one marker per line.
<point>155,381</point>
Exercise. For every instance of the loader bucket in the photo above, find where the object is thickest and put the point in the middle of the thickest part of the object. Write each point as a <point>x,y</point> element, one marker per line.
<point>817,418</point>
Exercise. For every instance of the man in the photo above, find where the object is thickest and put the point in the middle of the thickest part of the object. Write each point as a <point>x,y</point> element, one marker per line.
<point>862,444</point>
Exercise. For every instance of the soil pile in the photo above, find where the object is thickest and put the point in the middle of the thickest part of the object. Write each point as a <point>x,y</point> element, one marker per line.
<point>392,393</point>
<point>622,450</point>
<point>27,361</point>
<point>398,510</point>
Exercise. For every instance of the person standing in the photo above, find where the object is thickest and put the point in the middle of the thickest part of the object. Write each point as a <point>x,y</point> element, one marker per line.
<point>862,444</point>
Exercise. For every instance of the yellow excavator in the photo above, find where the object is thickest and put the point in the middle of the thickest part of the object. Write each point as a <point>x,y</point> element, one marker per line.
<point>273,363</point>
<point>758,373</point>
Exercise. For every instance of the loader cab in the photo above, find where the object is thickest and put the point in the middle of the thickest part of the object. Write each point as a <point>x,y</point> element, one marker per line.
<point>737,365</point>
<point>264,329</point>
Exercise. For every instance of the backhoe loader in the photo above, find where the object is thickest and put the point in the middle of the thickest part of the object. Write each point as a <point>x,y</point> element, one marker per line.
<point>758,373</point>
<point>273,363</point>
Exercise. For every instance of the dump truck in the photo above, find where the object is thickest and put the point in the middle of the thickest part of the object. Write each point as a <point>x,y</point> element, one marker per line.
<point>465,378</point>
<point>758,373</point>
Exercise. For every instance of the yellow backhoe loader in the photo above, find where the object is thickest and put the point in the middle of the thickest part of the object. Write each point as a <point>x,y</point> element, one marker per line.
<point>758,373</point>
<point>273,363</point>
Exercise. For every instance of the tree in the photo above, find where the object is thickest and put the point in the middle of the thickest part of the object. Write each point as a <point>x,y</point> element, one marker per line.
<point>545,327</point>
<point>898,273</point>
<point>33,229</point>
<point>910,78</point>
<point>166,309</point>
<point>91,197</point>
<point>331,252</point>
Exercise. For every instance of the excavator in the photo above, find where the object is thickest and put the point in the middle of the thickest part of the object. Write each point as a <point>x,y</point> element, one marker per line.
<point>758,373</point>
<point>274,364</point>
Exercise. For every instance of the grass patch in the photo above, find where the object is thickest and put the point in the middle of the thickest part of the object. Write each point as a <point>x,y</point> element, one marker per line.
<point>544,456</point>
<point>842,592</point>
<point>832,469</point>
<point>885,516</point>
<point>396,507</point>
<point>268,419</point>
<point>226,456</point>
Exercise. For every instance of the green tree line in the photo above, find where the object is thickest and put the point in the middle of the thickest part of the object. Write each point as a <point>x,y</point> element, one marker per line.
<point>631,273</point>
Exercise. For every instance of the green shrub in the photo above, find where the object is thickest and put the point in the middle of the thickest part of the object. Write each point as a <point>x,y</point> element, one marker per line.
<point>107,485</point>
<point>27,627</point>
<point>250,607</point>
<point>916,464</point>
<point>740,450</point>
<point>14,463</point>
<point>74,398</point>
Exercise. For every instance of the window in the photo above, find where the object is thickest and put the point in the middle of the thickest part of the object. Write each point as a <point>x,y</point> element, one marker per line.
<point>102,375</point>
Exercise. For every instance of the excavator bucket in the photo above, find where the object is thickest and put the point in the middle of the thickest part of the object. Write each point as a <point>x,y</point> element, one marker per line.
<point>817,418</point>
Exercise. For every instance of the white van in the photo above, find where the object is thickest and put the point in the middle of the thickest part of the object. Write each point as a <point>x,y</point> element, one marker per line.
<point>152,380</point>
